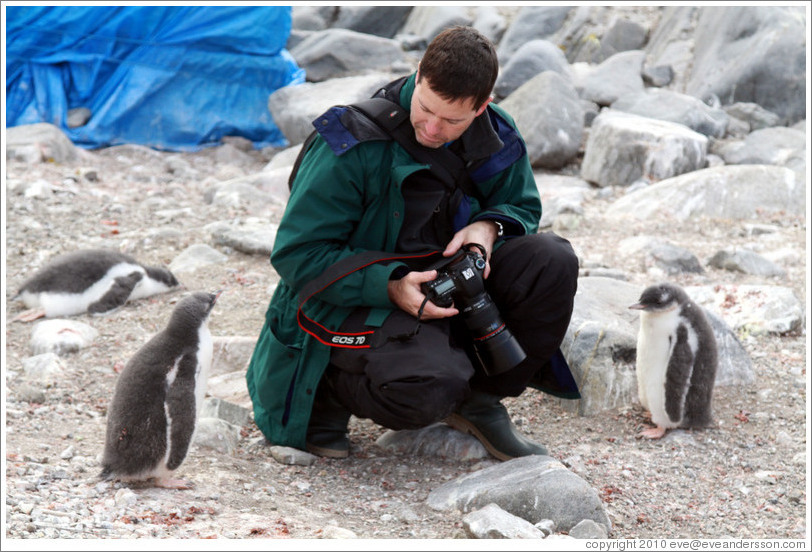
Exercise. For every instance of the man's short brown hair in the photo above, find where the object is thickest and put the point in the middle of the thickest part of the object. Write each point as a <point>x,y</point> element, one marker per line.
<point>460,63</point>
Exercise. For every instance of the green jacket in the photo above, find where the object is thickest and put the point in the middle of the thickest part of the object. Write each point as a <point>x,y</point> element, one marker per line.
<point>341,205</point>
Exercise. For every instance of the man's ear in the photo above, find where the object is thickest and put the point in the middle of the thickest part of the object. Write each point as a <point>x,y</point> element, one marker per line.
<point>484,106</point>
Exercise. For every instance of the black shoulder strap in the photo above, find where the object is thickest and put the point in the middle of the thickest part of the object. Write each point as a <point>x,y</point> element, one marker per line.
<point>445,164</point>
<point>394,120</point>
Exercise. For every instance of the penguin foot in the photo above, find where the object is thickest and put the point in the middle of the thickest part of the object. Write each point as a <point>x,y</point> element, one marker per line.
<point>652,433</point>
<point>29,315</point>
<point>168,483</point>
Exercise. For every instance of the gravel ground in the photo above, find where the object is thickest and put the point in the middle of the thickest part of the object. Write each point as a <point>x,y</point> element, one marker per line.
<point>747,478</point>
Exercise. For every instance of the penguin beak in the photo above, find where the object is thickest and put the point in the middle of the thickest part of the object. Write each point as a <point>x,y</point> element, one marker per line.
<point>215,296</point>
<point>638,306</point>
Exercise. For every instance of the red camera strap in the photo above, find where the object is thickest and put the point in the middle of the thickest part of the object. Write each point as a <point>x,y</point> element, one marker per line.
<point>333,273</point>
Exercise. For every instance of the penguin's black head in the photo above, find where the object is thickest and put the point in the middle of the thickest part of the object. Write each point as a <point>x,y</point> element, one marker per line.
<point>660,297</point>
<point>192,312</point>
<point>161,274</point>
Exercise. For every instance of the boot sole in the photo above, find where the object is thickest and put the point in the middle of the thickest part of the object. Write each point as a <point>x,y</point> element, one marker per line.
<point>461,424</point>
<point>326,452</point>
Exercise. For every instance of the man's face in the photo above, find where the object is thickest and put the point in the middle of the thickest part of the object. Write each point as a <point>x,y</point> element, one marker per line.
<point>437,121</point>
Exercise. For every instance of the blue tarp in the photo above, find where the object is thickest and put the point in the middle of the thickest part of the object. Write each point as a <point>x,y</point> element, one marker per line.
<point>170,77</point>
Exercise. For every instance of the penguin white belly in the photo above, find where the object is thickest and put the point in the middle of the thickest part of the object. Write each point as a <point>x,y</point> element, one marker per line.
<point>147,287</point>
<point>205,353</point>
<point>654,347</point>
<point>60,303</point>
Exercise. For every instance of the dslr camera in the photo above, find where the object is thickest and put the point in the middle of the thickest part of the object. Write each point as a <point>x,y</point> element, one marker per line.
<point>460,282</point>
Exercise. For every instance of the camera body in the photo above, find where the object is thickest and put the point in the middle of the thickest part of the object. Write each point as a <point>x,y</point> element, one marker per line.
<point>460,282</point>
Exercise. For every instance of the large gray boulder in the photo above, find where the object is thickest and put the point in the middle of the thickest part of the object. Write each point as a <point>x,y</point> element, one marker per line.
<point>295,107</point>
<point>618,76</point>
<point>738,54</point>
<point>529,60</point>
<point>550,118</point>
<point>385,21</point>
<point>782,146</point>
<point>533,488</point>
<point>737,192</point>
<point>531,22</point>
<point>428,21</point>
<point>334,53</point>
<point>667,105</point>
<point>623,148</point>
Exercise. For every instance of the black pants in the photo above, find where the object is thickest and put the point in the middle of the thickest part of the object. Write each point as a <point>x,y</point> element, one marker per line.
<point>411,384</point>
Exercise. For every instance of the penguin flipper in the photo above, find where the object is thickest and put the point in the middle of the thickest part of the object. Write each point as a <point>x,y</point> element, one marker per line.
<point>117,295</point>
<point>180,401</point>
<point>677,376</point>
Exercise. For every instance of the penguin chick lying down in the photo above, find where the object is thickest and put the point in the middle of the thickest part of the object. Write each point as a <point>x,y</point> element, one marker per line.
<point>90,280</point>
<point>158,397</point>
<point>676,360</point>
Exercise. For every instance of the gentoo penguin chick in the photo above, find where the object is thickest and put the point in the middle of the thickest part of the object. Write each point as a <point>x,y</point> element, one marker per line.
<point>676,360</point>
<point>158,396</point>
<point>96,281</point>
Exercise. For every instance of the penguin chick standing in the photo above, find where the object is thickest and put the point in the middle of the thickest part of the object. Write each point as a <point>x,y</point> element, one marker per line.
<point>676,360</point>
<point>158,396</point>
<point>90,280</point>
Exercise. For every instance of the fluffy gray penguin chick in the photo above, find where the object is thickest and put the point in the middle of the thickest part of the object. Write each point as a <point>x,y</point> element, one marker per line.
<point>677,360</point>
<point>96,281</point>
<point>158,396</point>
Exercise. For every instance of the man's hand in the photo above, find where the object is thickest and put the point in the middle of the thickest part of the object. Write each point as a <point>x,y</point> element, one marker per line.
<point>407,295</point>
<point>482,232</point>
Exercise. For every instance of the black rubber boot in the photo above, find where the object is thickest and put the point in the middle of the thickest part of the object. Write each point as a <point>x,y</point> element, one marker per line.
<point>327,429</point>
<point>485,417</point>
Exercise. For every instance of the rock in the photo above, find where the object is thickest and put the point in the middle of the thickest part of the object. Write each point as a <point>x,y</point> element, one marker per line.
<point>216,434</point>
<point>226,411</point>
<point>492,522</point>
<point>60,337</point>
<point>295,107</point>
<point>529,23</point>
<point>623,148</point>
<point>29,393</point>
<point>194,257</point>
<point>529,60</point>
<point>230,387</point>
<point>490,23</point>
<point>252,236</point>
<point>292,456</point>
<point>785,147</point>
<point>78,116</point>
<point>231,353</point>
<point>728,192</point>
<point>384,21</point>
<point>334,53</point>
<point>667,105</point>
<point>530,487</point>
<point>334,532</point>
<point>39,142</point>
<point>753,114</point>
<point>622,36</point>
<point>549,116</point>
<point>618,76</point>
<point>428,21</point>
<point>588,529</point>
<point>766,34</point>
<point>753,309</point>
<point>747,262</point>
<point>600,345</point>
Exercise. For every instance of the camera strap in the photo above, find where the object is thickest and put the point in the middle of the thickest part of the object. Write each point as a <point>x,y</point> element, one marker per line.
<point>369,339</point>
